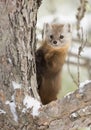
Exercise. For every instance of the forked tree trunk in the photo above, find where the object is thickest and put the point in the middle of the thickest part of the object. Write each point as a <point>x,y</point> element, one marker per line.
<point>18,77</point>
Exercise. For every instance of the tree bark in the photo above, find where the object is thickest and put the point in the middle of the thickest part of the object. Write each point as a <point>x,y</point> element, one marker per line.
<point>17,55</point>
<point>23,22</point>
<point>18,42</point>
<point>71,112</point>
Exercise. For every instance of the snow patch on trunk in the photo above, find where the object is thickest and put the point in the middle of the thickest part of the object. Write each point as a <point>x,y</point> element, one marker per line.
<point>13,110</point>
<point>30,102</point>
<point>16,85</point>
<point>2,111</point>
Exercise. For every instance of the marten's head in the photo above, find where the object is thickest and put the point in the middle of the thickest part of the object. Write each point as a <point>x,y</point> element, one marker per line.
<point>57,35</point>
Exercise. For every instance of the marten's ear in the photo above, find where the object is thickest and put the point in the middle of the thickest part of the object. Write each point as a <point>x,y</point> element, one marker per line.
<point>45,31</point>
<point>67,28</point>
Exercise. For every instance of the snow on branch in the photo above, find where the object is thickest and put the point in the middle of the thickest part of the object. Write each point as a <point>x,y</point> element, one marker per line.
<point>73,111</point>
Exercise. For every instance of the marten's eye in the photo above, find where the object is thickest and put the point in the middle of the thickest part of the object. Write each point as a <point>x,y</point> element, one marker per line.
<point>61,36</point>
<point>51,36</point>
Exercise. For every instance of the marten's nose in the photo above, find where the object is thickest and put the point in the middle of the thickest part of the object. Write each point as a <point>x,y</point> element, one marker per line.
<point>55,42</point>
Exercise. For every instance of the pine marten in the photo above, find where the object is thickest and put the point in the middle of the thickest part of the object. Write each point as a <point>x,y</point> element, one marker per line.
<point>50,58</point>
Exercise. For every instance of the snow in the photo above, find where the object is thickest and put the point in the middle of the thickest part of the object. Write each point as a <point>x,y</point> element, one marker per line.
<point>12,104</point>
<point>84,83</point>
<point>13,97</point>
<point>74,115</point>
<point>16,85</point>
<point>2,111</point>
<point>81,86</point>
<point>85,111</point>
<point>30,102</point>
<point>13,110</point>
<point>68,95</point>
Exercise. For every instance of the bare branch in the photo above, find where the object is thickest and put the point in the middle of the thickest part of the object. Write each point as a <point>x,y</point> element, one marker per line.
<point>68,66</point>
<point>80,49</point>
<point>80,14</point>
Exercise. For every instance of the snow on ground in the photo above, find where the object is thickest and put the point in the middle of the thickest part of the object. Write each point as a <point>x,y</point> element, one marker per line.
<point>30,102</point>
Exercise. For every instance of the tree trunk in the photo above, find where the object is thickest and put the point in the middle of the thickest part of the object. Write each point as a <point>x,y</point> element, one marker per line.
<point>17,55</point>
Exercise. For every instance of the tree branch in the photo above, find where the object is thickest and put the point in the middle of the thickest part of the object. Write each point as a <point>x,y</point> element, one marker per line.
<point>73,111</point>
<point>80,14</point>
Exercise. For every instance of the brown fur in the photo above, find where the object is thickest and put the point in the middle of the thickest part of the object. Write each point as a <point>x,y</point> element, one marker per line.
<point>49,61</point>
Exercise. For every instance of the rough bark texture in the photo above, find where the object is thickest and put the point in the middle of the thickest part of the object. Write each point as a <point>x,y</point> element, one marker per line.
<point>71,112</point>
<point>17,62</point>
<point>23,22</point>
<point>17,48</point>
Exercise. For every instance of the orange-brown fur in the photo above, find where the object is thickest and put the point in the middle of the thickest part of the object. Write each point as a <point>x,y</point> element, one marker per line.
<point>50,61</point>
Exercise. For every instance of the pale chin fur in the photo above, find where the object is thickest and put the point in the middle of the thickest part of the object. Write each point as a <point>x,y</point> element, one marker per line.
<point>57,46</point>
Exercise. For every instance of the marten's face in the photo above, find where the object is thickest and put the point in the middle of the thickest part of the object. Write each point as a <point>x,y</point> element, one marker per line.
<point>57,35</point>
